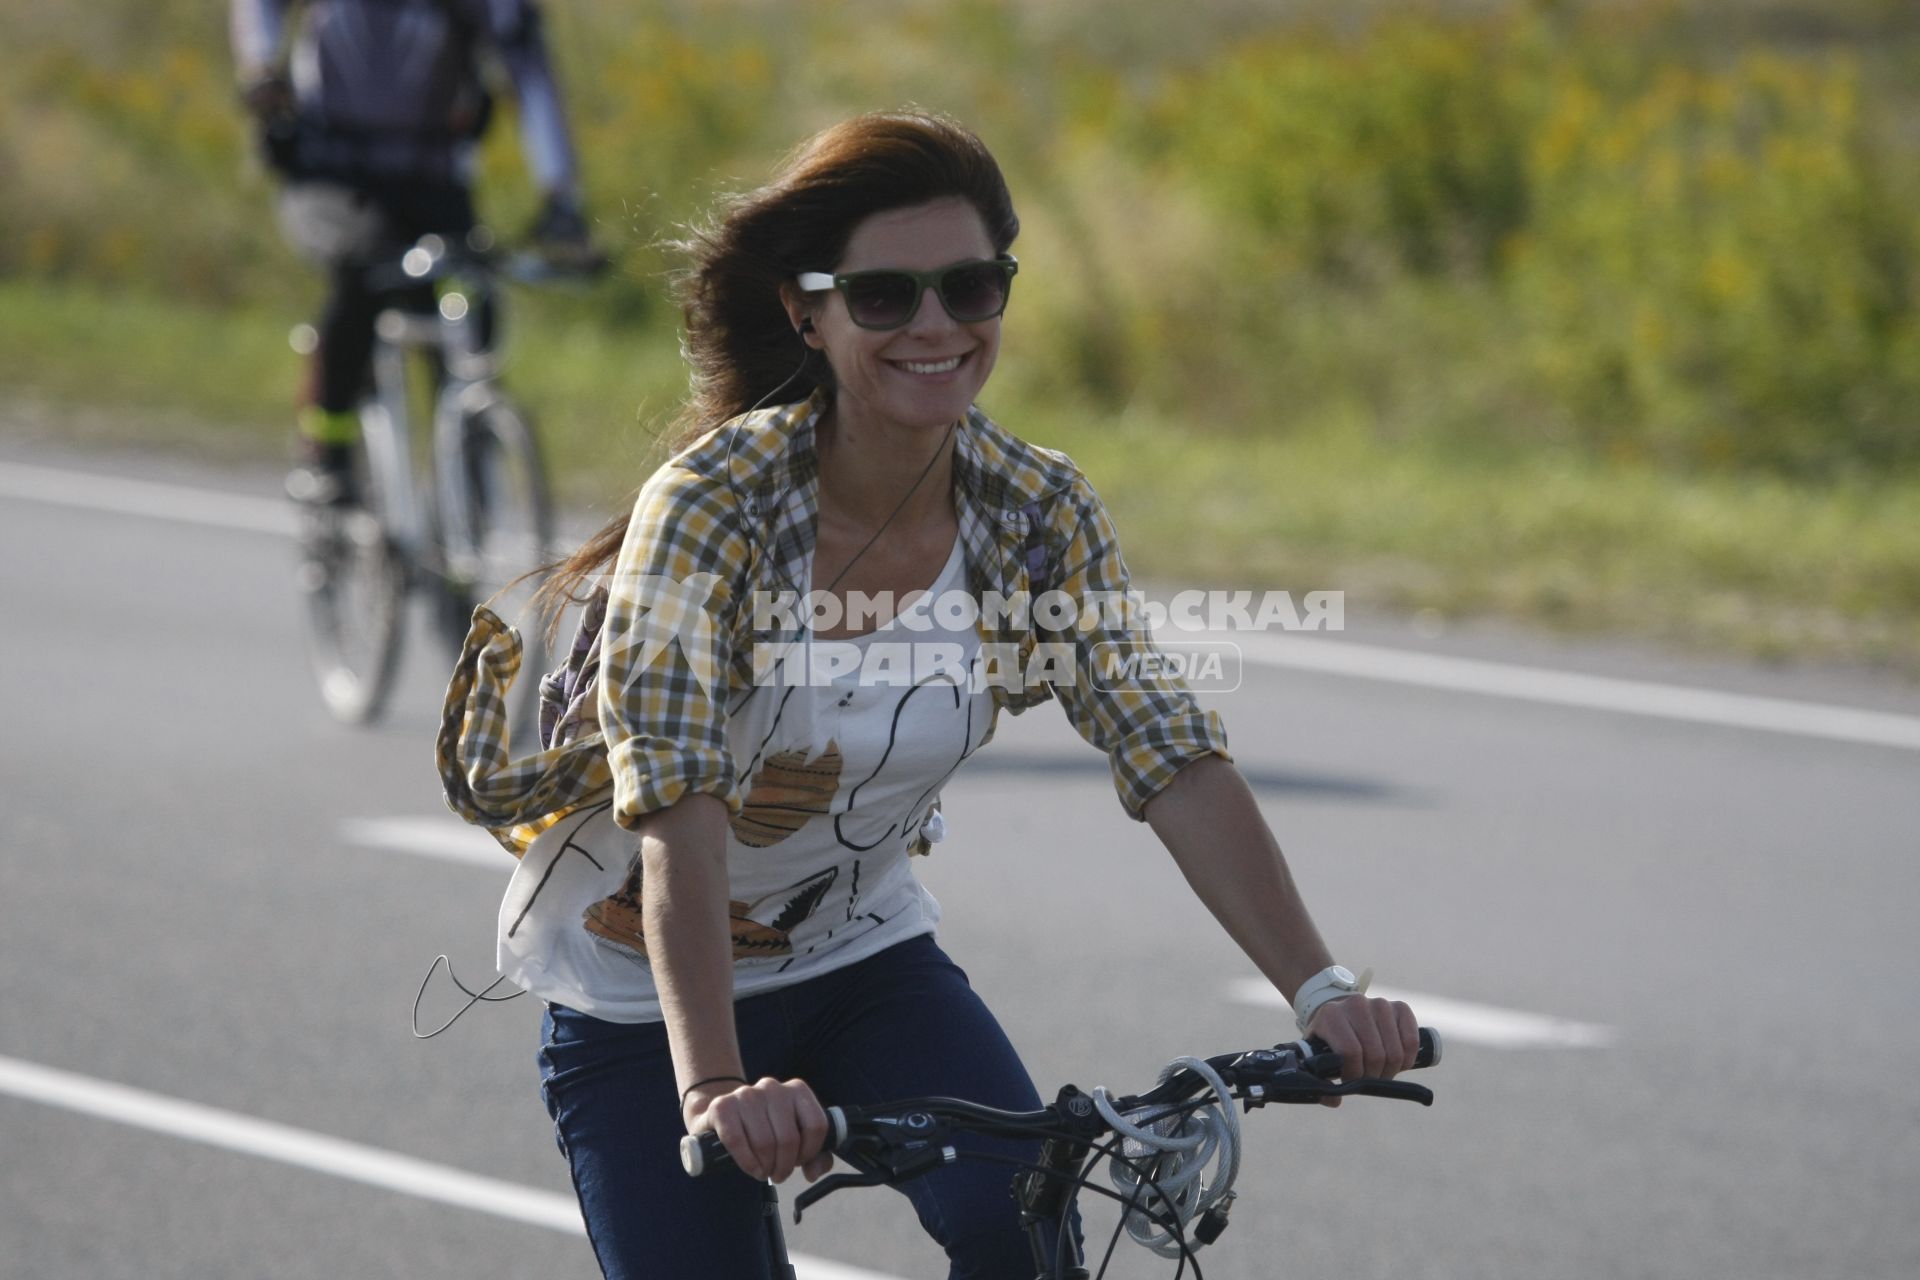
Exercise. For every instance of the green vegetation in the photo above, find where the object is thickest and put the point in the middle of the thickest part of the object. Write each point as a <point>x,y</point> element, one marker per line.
<point>1604,314</point>
<point>1755,564</point>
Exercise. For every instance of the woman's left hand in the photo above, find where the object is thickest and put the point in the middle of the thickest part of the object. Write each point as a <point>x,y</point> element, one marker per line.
<point>1376,1039</point>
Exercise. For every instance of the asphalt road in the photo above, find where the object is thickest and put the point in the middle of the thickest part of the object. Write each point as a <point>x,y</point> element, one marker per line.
<point>206,898</point>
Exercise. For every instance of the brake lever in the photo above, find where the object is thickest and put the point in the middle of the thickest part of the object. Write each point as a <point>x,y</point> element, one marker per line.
<point>831,1183</point>
<point>904,1150</point>
<point>1303,1086</point>
<point>1398,1089</point>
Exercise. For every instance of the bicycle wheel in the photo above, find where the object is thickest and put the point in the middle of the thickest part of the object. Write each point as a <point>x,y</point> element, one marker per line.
<point>502,532</point>
<point>354,581</point>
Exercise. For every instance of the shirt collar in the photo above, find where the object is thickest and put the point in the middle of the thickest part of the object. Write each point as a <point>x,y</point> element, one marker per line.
<point>770,452</point>
<point>770,460</point>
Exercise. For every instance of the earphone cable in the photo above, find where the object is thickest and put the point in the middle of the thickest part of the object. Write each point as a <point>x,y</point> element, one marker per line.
<point>474,997</point>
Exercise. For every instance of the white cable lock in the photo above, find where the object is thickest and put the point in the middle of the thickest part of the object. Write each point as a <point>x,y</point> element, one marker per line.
<point>1175,1150</point>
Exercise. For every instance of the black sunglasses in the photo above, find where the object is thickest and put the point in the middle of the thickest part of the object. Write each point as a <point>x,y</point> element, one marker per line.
<point>887,299</point>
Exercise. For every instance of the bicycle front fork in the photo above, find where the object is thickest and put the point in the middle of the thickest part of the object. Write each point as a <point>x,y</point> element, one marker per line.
<point>1045,1192</point>
<point>1037,1237</point>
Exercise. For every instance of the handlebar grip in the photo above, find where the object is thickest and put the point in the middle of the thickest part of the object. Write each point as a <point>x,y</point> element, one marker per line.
<point>1429,1055</point>
<point>702,1153</point>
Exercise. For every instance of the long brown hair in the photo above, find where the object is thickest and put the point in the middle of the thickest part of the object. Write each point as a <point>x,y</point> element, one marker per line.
<point>741,346</point>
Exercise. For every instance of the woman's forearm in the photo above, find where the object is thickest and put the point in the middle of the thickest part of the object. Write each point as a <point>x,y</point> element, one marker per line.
<point>1211,824</point>
<point>1209,821</point>
<point>684,913</point>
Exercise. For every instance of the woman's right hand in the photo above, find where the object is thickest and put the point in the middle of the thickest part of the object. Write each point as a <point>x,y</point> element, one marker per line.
<point>770,1127</point>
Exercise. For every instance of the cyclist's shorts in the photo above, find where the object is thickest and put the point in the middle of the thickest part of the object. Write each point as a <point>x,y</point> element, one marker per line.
<point>335,223</point>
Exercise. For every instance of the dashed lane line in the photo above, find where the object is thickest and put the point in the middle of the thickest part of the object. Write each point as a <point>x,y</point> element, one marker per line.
<point>122,495</point>
<point>1462,1021</point>
<point>446,839</point>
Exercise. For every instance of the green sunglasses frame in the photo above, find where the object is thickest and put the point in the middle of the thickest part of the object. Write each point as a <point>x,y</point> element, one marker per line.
<point>820,282</point>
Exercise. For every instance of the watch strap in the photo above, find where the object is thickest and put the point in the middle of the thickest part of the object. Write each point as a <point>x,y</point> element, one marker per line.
<point>1331,983</point>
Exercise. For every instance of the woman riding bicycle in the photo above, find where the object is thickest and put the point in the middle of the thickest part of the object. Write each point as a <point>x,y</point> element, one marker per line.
<point>714,895</point>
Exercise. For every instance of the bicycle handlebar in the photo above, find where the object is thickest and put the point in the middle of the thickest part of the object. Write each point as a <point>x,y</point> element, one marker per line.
<point>1297,1071</point>
<point>432,257</point>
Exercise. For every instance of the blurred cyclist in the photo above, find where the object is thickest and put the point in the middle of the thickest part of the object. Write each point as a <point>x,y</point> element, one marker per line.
<point>370,111</point>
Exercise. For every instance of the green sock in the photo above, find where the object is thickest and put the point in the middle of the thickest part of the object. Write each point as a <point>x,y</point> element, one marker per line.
<point>323,426</point>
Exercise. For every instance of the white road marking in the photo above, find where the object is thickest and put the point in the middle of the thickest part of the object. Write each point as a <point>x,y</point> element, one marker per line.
<point>1318,653</point>
<point>319,1153</point>
<point>1462,1021</point>
<point>1573,689</point>
<point>91,492</point>
<point>444,838</point>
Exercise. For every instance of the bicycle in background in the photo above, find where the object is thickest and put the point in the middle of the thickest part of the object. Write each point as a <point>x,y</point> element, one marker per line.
<point>457,523</point>
<point>1173,1152</point>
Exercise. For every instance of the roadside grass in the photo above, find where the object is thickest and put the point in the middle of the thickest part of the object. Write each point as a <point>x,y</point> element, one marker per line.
<point>1749,562</point>
<point>150,372</point>
<point>129,369</point>
<point>1755,565</point>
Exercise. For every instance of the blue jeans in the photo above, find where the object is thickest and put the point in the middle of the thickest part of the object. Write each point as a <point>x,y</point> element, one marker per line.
<point>900,1024</point>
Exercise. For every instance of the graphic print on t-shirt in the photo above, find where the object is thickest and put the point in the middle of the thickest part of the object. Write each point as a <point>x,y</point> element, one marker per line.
<point>761,928</point>
<point>788,790</point>
<point>838,775</point>
<point>850,820</point>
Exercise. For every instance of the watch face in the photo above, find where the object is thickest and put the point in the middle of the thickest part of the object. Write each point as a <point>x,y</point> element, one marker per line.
<point>1343,977</point>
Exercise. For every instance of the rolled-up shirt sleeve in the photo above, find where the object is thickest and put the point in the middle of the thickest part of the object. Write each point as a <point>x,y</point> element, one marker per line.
<point>666,648</point>
<point>1149,724</point>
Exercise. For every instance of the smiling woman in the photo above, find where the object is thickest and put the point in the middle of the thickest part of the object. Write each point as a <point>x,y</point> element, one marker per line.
<point>922,184</point>
<point>715,894</point>
<point>898,363</point>
<point>900,366</point>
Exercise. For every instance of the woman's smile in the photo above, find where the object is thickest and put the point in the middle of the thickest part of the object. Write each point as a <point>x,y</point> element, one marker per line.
<point>931,369</point>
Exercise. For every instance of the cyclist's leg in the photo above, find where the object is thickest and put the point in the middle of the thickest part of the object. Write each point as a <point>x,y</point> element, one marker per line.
<point>337,226</point>
<point>907,1023</point>
<point>346,340</point>
<point>610,1089</point>
<point>442,209</point>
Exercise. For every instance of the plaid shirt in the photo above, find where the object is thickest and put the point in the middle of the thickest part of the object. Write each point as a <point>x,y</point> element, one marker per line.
<point>639,710</point>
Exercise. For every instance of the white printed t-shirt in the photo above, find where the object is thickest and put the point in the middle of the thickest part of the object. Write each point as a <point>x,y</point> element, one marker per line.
<point>842,770</point>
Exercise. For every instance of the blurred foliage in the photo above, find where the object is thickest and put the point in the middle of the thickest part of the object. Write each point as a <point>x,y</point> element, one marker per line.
<point>1651,256</point>
<point>1728,262</point>
<point>1482,227</point>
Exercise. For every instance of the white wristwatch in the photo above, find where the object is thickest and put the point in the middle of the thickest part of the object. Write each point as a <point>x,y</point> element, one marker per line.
<point>1330,983</point>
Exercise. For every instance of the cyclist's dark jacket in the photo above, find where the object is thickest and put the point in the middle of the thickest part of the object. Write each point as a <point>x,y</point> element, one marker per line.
<point>389,90</point>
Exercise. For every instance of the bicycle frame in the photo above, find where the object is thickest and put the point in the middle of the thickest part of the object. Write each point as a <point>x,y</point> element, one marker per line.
<point>468,388</point>
<point>462,524</point>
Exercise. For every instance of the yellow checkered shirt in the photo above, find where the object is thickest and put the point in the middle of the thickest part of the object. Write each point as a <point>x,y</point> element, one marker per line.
<point>639,710</point>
